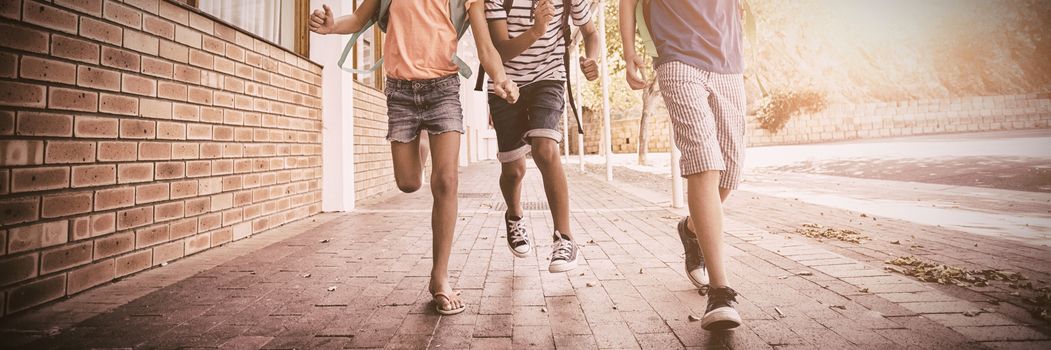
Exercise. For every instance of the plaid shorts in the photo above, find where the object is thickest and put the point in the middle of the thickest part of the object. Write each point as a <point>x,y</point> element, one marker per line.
<point>708,117</point>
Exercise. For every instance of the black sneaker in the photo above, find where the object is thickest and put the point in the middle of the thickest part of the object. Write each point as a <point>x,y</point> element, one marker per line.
<point>517,236</point>
<point>563,254</point>
<point>694,257</point>
<point>720,313</point>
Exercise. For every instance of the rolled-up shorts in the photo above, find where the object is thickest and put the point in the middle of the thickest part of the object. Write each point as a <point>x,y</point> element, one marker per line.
<point>417,105</point>
<point>537,113</point>
<point>708,117</point>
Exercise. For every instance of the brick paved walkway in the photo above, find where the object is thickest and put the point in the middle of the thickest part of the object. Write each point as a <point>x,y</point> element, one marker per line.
<point>359,280</point>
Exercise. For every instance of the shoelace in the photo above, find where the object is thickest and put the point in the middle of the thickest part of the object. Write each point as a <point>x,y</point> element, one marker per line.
<point>518,232</point>
<point>563,249</point>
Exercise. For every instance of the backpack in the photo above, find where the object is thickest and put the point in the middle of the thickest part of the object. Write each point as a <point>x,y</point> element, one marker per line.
<point>567,13</point>
<point>457,13</point>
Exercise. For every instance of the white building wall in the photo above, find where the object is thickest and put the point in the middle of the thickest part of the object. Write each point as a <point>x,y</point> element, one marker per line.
<point>337,114</point>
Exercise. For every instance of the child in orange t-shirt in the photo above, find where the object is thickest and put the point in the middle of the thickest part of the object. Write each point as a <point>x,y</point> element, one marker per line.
<point>422,92</point>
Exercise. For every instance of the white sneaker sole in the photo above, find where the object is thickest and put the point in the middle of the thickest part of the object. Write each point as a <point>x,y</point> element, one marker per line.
<point>521,255</point>
<point>721,319</point>
<point>567,266</point>
<point>699,282</point>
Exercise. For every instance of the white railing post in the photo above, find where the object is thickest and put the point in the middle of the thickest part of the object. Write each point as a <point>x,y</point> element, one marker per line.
<point>607,133</point>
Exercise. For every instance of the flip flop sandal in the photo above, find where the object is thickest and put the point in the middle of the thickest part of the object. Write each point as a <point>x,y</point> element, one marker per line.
<point>438,305</point>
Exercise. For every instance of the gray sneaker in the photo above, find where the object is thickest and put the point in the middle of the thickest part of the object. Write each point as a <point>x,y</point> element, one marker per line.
<point>563,254</point>
<point>517,236</point>
<point>694,257</point>
<point>720,314</point>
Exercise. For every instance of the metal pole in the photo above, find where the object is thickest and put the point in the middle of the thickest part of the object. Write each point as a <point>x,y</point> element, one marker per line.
<point>607,135</point>
<point>676,173</point>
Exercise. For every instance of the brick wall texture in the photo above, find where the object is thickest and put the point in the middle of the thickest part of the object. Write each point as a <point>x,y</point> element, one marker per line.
<point>859,121</point>
<point>137,132</point>
<point>373,171</point>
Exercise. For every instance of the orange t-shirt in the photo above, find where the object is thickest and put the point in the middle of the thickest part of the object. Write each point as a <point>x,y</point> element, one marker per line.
<point>420,41</point>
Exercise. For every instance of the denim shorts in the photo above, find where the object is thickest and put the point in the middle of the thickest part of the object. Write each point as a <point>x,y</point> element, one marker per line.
<point>538,113</point>
<point>416,105</point>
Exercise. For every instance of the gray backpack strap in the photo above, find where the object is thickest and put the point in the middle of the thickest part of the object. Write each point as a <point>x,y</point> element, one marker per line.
<point>381,19</point>
<point>480,81</point>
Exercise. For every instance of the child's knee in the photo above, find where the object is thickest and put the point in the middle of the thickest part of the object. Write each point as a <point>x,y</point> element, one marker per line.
<point>444,183</point>
<point>409,186</point>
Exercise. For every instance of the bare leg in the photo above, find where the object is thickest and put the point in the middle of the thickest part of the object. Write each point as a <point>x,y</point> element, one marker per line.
<point>445,153</point>
<point>408,170</point>
<point>706,215</point>
<point>425,149</point>
<point>511,175</point>
<point>724,193</point>
<point>545,154</point>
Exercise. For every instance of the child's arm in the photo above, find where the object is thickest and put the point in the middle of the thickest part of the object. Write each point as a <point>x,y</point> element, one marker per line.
<point>324,22</point>
<point>592,49</point>
<point>512,47</point>
<point>633,69</point>
<point>502,86</point>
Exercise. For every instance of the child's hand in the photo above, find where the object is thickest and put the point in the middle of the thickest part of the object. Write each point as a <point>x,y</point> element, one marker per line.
<point>542,15</point>
<point>633,71</point>
<point>507,90</point>
<point>322,22</point>
<point>589,67</point>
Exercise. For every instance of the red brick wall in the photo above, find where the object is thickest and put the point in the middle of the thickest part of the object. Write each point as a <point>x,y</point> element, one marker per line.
<point>136,132</point>
<point>373,171</point>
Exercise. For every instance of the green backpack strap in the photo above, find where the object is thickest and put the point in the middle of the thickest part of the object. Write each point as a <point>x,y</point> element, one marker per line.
<point>379,18</point>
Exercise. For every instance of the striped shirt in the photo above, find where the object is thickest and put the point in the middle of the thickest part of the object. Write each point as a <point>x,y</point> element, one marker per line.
<point>542,60</point>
